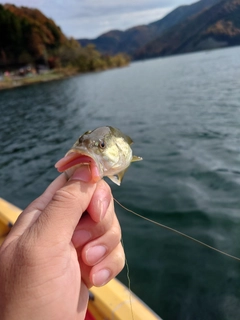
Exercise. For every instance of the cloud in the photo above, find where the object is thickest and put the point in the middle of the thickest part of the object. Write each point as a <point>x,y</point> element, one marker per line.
<point>112,21</point>
<point>89,18</point>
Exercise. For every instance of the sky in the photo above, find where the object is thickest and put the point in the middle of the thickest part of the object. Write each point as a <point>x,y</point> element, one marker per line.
<point>90,18</point>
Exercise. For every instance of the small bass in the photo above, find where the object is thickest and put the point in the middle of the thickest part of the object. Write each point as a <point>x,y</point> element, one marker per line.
<point>106,150</point>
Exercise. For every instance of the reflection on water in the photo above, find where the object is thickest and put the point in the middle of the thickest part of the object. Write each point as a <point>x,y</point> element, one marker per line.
<point>183,114</point>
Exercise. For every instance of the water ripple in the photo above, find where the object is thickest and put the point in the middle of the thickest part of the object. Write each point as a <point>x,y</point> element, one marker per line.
<point>183,114</point>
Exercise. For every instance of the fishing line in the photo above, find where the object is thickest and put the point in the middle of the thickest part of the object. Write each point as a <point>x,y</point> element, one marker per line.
<point>129,282</point>
<point>176,231</point>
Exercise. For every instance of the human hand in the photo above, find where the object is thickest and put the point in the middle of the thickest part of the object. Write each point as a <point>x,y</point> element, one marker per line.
<point>51,257</point>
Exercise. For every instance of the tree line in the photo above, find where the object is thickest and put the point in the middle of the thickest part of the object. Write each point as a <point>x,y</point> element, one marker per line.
<point>29,37</point>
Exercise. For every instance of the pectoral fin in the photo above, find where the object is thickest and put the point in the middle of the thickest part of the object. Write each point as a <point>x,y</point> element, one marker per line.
<point>136,158</point>
<point>115,180</point>
<point>118,178</point>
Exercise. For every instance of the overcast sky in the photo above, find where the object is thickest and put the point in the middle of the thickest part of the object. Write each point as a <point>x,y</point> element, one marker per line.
<point>90,18</point>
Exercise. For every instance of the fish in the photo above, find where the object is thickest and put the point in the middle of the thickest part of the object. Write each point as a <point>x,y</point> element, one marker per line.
<point>108,153</point>
<point>106,150</point>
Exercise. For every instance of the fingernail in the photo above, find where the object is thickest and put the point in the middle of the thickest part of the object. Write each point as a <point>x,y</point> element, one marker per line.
<point>94,254</point>
<point>103,205</point>
<point>80,237</point>
<point>83,173</point>
<point>101,277</point>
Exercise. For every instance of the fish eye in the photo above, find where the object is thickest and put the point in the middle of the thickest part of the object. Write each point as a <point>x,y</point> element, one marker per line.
<point>101,144</point>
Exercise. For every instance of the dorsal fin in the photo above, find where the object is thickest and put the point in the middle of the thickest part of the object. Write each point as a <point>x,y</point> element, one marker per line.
<point>117,133</point>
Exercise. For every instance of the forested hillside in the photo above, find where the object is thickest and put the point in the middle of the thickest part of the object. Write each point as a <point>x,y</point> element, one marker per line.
<point>216,27</point>
<point>29,37</point>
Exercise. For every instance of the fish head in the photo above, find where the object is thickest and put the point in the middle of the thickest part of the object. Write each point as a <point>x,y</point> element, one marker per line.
<point>106,150</point>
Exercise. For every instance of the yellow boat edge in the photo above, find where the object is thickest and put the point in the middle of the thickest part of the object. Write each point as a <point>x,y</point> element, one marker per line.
<point>112,301</point>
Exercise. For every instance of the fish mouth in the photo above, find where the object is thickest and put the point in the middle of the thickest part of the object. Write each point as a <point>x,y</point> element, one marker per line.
<point>76,158</point>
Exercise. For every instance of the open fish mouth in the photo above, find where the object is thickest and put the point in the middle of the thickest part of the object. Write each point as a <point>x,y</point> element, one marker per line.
<point>74,159</point>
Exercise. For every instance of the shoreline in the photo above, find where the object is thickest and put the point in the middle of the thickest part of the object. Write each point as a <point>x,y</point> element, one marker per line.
<point>11,82</point>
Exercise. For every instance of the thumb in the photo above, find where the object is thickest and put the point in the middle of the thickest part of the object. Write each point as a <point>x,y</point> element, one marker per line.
<point>60,217</point>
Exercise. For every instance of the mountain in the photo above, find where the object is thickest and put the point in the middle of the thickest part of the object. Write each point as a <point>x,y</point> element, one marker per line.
<point>133,39</point>
<point>182,13</point>
<point>218,26</point>
<point>26,35</point>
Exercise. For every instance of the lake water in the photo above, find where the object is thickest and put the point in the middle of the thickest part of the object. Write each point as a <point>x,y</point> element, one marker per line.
<point>183,114</point>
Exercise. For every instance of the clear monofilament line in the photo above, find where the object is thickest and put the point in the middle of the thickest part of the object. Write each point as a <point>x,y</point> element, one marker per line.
<point>129,282</point>
<point>178,232</point>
